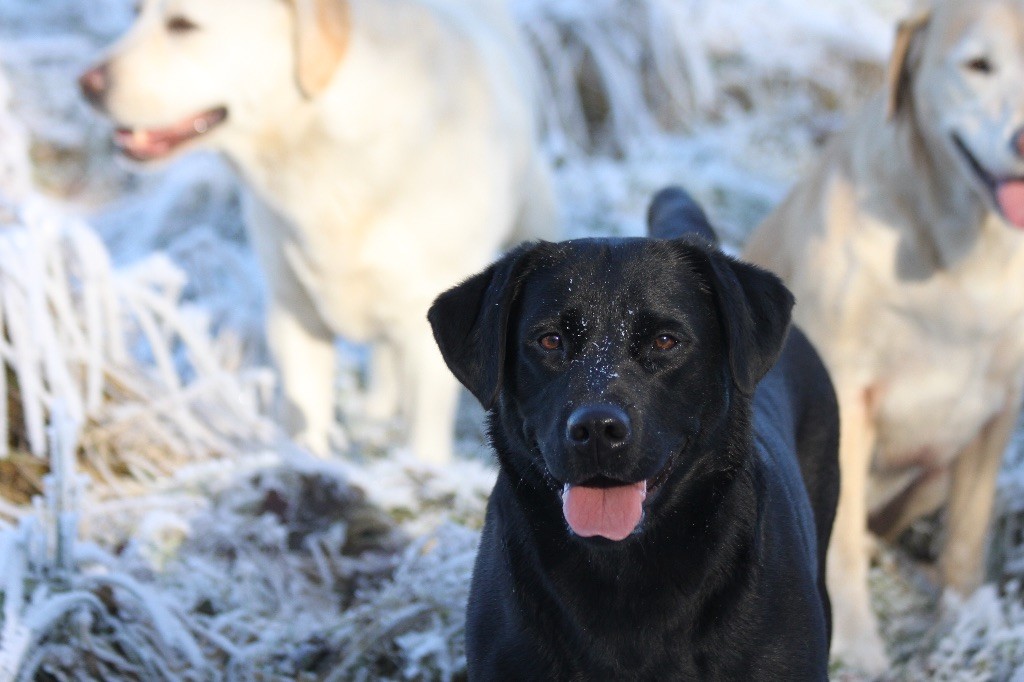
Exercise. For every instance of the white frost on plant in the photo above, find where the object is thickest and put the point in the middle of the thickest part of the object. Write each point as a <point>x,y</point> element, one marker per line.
<point>618,72</point>
<point>423,495</point>
<point>981,638</point>
<point>14,165</point>
<point>52,596</point>
<point>134,366</point>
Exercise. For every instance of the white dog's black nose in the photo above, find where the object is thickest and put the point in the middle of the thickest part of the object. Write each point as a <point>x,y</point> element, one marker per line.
<point>94,83</point>
<point>1017,143</point>
<point>597,428</point>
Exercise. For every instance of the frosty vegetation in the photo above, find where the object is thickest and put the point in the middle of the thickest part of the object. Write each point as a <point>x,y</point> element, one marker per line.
<point>154,522</point>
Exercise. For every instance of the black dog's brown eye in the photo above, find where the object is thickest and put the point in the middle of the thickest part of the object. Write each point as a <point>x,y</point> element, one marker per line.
<point>980,64</point>
<point>665,342</point>
<point>550,342</point>
<point>180,24</point>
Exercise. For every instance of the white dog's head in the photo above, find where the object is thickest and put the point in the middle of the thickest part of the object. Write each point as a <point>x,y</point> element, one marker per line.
<point>958,72</point>
<point>189,72</point>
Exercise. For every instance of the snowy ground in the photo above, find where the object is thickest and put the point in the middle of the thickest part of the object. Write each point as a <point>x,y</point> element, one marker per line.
<point>206,547</point>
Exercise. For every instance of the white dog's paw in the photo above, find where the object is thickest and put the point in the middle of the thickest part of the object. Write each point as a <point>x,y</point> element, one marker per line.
<point>323,443</point>
<point>865,652</point>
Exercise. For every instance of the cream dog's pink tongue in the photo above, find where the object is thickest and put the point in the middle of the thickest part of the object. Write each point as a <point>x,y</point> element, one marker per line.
<point>612,513</point>
<point>1010,195</point>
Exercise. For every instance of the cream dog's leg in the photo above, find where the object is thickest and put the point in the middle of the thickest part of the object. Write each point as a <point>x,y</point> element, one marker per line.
<point>926,495</point>
<point>303,351</point>
<point>382,399</point>
<point>432,395</point>
<point>301,345</point>
<point>971,499</point>
<point>855,637</point>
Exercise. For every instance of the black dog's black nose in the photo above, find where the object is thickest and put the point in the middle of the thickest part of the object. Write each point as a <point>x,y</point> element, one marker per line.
<point>94,83</point>
<point>599,427</point>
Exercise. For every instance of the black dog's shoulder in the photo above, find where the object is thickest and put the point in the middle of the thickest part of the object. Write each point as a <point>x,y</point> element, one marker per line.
<point>796,415</point>
<point>795,407</point>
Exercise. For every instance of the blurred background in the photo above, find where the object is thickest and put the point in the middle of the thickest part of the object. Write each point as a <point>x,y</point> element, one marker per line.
<point>179,536</point>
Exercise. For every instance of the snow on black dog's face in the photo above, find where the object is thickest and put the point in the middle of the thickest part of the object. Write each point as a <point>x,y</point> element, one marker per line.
<point>611,365</point>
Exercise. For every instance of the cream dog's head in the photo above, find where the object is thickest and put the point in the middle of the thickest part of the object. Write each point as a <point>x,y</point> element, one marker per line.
<point>957,73</point>
<point>191,72</point>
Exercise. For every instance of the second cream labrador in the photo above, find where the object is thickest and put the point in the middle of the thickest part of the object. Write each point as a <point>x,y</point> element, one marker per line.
<point>905,250</point>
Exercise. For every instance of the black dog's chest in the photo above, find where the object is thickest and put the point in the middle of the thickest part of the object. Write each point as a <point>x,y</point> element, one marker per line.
<point>628,615</point>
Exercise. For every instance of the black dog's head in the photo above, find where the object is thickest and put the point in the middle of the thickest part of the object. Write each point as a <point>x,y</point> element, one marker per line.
<point>612,365</point>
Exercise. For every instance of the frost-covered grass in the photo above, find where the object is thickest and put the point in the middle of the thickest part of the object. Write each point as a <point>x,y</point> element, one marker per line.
<point>205,547</point>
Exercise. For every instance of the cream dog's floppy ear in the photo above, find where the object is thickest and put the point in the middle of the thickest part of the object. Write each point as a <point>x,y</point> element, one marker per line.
<point>321,36</point>
<point>897,76</point>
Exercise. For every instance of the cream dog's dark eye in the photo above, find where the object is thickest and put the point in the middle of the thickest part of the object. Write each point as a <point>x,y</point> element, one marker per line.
<point>181,25</point>
<point>980,65</point>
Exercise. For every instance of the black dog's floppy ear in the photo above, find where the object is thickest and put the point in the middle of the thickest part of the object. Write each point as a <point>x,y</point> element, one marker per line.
<point>755,308</point>
<point>470,323</point>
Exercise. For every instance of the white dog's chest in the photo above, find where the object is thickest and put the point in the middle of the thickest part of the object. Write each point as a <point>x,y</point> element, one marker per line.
<point>349,293</point>
<point>374,277</point>
<point>942,377</point>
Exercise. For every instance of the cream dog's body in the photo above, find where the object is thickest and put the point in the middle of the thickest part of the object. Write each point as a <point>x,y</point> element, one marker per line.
<point>391,149</point>
<point>905,254</point>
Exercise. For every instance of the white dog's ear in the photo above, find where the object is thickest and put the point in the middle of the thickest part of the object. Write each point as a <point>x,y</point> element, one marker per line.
<point>897,76</point>
<point>321,36</point>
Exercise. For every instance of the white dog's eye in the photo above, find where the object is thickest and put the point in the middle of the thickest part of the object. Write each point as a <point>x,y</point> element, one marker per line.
<point>180,24</point>
<point>980,65</point>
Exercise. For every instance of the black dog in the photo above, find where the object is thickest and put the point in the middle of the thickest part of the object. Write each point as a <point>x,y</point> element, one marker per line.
<point>658,433</point>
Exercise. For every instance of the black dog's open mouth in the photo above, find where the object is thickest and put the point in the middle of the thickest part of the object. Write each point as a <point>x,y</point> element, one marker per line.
<point>150,144</point>
<point>607,508</point>
<point>1006,193</point>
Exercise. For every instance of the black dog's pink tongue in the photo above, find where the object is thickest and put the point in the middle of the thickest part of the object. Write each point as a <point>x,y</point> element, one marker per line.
<point>612,513</point>
<point>1010,195</point>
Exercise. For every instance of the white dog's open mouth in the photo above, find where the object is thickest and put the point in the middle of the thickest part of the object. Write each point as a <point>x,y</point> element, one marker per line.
<point>1007,193</point>
<point>149,144</point>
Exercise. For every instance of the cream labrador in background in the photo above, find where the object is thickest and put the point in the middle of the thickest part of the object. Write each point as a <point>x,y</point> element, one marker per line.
<point>390,147</point>
<point>905,252</point>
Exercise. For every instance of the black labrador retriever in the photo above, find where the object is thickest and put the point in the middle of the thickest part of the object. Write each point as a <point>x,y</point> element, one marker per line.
<point>668,452</point>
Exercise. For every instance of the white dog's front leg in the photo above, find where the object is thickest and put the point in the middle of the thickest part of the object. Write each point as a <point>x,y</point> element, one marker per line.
<point>382,398</point>
<point>300,343</point>
<point>855,637</point>
<point>971,497</point>
<point>432,396</point>
<point>303,351</point>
